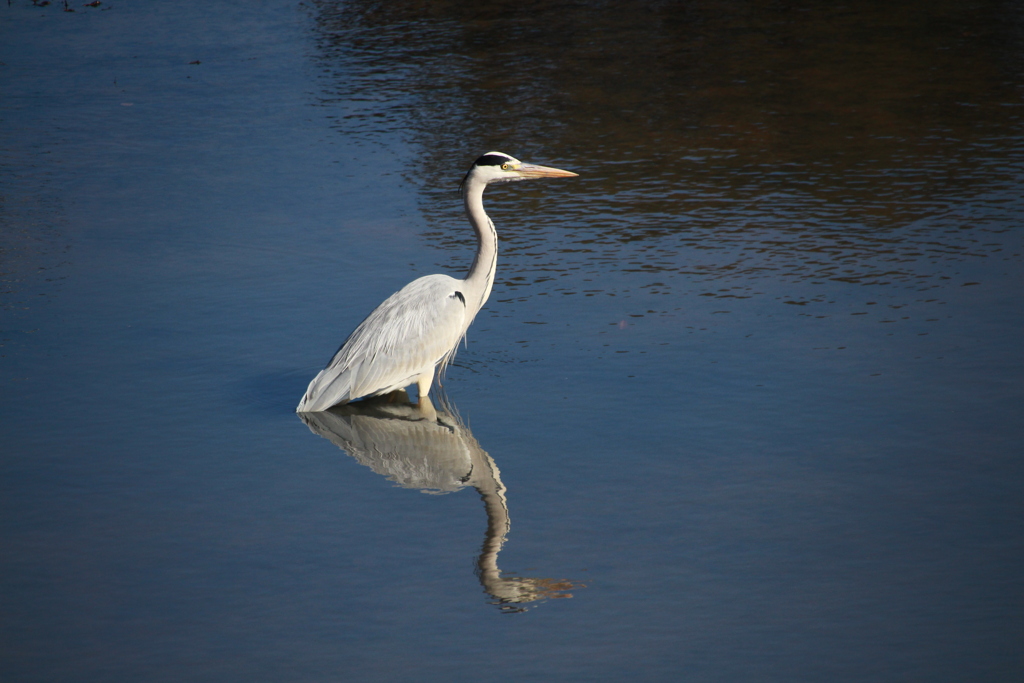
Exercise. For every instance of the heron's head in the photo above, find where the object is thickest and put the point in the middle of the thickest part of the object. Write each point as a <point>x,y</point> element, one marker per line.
<point>498,167</point>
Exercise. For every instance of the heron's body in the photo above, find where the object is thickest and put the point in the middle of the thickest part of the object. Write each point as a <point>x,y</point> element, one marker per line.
<point>418,328</point>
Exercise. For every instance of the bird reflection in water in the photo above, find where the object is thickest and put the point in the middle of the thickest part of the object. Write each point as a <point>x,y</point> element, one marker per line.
<point>420,447</point>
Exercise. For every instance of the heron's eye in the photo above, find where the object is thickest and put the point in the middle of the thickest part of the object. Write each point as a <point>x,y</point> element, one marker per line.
<point>504,167</point>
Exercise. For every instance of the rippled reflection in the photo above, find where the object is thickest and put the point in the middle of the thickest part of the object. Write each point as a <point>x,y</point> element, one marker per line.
<point>726,149</point>
<point>419,447</point>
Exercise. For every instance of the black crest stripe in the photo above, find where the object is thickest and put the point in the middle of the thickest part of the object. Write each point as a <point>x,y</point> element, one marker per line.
<point>491,160</point>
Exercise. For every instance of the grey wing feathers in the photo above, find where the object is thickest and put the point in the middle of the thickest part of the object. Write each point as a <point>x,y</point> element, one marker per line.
<point>414,329</point>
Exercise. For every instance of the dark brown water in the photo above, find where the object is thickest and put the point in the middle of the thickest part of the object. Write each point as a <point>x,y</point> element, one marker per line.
<point>747,397</point>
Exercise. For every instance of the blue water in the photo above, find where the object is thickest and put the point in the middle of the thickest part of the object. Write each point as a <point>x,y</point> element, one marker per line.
<point>745,404</point>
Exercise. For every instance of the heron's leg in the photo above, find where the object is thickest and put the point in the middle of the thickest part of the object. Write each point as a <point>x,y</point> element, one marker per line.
<point>423,383</point>
<point>426,408</point>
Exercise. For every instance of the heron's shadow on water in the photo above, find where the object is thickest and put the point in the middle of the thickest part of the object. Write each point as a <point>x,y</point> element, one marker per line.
<point>429,448</point>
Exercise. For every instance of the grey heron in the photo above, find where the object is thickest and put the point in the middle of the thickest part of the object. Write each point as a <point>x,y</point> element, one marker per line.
<point>418,328</point>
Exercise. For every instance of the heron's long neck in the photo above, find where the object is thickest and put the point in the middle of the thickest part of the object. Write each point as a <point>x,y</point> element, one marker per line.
<point>481,274</point>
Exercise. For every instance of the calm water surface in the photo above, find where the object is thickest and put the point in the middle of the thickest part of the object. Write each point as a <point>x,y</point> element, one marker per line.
<point>746,402</point>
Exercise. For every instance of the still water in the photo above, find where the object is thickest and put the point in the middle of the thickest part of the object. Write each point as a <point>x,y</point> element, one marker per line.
<point>746,402</point>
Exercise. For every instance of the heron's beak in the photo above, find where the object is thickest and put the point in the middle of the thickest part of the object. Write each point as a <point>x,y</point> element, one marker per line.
<point>530,171</point>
